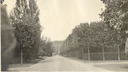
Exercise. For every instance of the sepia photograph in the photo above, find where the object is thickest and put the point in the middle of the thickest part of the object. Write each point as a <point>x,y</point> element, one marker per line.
<point>64,35</point>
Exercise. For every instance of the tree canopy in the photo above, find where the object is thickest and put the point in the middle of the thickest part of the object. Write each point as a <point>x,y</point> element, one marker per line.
<point>116,14</point>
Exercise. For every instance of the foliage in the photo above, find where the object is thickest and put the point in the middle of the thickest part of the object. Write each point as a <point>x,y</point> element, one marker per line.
<point>46,47</point>
<point>116,14</point>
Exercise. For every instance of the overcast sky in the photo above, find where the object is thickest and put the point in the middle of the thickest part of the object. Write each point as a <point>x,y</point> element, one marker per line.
<point>59,17</point>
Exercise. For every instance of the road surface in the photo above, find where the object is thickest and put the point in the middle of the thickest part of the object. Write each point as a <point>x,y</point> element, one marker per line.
<point>59,63</point>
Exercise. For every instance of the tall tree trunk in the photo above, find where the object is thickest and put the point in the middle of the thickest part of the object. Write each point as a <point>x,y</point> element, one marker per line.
<point>126,46</point>
<point>21,56</point>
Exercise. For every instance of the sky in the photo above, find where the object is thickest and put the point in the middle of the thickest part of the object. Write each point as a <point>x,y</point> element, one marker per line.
<point>59,17</point>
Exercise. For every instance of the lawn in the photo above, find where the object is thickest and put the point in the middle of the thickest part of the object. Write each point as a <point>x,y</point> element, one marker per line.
<point>20,67</point>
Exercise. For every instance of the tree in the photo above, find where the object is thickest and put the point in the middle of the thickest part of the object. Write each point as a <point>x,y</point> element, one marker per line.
<point>1,1</point>
<point>116,15</point>
<point>27,29</point>
<point>46,47</point>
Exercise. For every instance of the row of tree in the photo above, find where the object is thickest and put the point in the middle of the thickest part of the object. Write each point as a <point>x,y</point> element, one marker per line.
<point>94,37</point>
<point>109,35</point>
<point>27,29</point>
